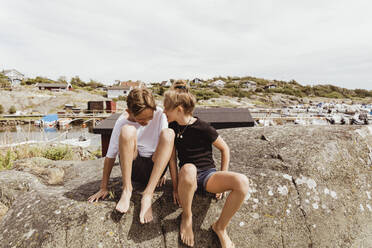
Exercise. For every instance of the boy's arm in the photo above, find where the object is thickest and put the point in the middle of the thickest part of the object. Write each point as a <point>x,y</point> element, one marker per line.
<point>107,168</point>
<point>174,175</point>
<point>103,192</point>
<point>221,145</point>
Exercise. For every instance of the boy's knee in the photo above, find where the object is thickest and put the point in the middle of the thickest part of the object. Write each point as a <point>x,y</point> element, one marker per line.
<point>167,134</point>
<point>128,132</point>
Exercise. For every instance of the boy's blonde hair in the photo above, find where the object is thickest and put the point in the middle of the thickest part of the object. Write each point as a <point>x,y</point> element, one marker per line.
<point>140,99</point>
<point>179,95</point>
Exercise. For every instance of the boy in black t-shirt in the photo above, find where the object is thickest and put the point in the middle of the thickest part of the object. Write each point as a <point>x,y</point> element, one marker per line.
<point>193,146</point>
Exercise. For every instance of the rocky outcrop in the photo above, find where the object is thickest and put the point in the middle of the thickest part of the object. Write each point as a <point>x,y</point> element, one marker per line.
<point>310,187</point>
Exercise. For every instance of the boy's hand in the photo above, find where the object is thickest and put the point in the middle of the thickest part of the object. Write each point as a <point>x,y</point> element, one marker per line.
<point>176,198</point>
<point>102,193</point>
<point>161,181</point>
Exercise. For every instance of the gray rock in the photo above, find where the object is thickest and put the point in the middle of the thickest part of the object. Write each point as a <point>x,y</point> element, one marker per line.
<point>310,187</point>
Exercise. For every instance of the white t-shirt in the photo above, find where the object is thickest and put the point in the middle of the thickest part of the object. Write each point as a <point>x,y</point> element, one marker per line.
<point>147,136</point>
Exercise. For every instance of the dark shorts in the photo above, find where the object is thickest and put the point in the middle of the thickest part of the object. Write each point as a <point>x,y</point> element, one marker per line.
<point>203,176</point>
<point>142,168</point>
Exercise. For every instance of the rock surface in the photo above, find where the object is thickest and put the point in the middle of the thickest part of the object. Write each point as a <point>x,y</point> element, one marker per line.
<point>310,187</point>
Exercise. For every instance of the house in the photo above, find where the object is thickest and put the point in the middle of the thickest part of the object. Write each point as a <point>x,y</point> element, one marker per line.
<point>197,81</point>
<point>166,83</point>
<point>134,85</point>
<point>269,86</point>
<point>15,77</point>
<point>116,91</point>
<point>54,86</point>
<point>218,83</point>
<point>251,85</point>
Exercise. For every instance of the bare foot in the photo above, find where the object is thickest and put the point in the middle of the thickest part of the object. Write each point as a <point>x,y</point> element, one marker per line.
<point>124,202</point>
<point>187,235</point>
<point>146,210</point>
<point>223,237</point>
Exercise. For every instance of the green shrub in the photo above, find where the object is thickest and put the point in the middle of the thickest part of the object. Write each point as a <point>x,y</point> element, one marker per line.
<point>258,90</point>
<point>12,110</point>
<point>1,109</point>
<point>56,153</point>
<point>334,95</point>
<point>6,161</point>
<point>205,94</point>
<point>122,98</point>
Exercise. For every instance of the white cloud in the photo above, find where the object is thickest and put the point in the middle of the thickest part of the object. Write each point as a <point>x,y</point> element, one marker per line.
<point>309,41</point>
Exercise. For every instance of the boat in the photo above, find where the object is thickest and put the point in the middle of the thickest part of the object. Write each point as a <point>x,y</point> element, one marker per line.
<point>48,121</point>
<point>64,123</point>
<point>77,142</point>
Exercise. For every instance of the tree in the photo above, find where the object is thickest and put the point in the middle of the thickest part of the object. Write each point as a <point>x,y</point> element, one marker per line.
<point>4,81</point>
<point>12,110</point>
<point>76,81</point>
<point>1,109</point>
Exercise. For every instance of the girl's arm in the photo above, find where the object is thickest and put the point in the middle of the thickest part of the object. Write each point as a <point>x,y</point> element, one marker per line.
<point>221,145</point>
<point>174,175</point>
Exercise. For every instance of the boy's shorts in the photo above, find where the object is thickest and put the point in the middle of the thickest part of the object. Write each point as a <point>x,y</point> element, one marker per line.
<point>203,176</point>
<point>142,168</point>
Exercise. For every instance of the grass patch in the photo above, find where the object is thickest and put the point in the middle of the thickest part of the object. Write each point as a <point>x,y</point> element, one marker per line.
<point>58,152</point>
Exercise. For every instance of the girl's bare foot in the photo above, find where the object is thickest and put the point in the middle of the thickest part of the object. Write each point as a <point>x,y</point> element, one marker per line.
<point>223,237</point>
<point>146,210</point>
<point>187,235</point>
<point>124,202</point>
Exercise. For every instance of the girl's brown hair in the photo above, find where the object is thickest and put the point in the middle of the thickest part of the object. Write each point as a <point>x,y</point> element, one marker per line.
<point>140,99</point>
<point>179,95</point>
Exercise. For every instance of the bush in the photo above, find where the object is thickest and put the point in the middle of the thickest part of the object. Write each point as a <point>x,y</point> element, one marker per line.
<point>122,98</point>
<point>334,95</point>
<point>6,161</point>
<point>56,153</point>
<point>12,110</point>
<point>205,94</point>
<point>1,109</point>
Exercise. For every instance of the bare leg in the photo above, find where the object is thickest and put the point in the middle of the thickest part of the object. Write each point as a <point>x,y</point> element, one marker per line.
<point>160,158</point>
<point>238,184</point>
<point>186,189</point>
<point>128,152</point>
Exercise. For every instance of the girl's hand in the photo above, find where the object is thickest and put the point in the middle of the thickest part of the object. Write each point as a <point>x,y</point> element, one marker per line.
<point>161,181</point>
<point>176,198</point>
<point>220,196</point>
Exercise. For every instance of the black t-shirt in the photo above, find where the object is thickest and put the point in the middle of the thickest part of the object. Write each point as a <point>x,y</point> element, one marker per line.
<point>195,146</point>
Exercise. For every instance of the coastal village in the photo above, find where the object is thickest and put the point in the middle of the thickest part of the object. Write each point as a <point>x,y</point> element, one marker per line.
<point>102,101</point>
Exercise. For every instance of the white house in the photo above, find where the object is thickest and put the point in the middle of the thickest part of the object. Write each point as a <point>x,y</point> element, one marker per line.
<point>116,91</point>
<point>250,85</point>
<point>218,83</point>
<point>197,81</point>
<point>270,86</point>
<point>166,83</point>
<point>14,76</point>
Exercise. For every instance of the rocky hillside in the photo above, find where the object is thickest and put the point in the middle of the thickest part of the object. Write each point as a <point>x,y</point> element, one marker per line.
<point>29,99</point>
<point>310,187</point>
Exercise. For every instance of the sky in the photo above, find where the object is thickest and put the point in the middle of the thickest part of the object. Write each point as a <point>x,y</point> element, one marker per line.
<point>312,42</point>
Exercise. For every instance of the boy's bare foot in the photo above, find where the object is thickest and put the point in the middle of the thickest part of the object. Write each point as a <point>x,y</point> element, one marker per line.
<point>223,237</point>
<point>124,202</point>
<point>146,210</point>
<point>187,235</point>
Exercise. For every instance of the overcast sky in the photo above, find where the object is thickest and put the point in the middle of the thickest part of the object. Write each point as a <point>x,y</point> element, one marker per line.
<point>313,42</point>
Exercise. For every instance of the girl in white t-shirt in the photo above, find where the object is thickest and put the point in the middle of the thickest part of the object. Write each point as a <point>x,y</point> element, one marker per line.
<point>144,142</point>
